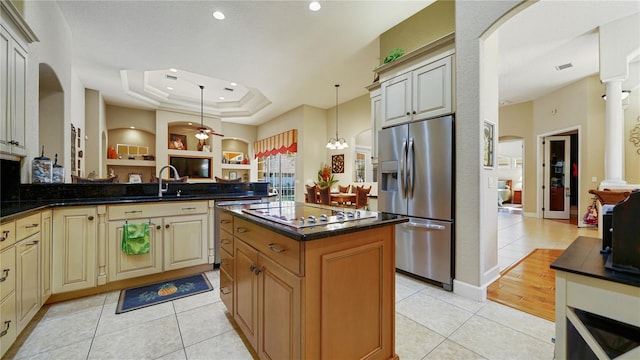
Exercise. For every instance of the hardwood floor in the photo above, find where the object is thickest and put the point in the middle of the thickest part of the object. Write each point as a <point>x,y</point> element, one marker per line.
<point>529,284</point>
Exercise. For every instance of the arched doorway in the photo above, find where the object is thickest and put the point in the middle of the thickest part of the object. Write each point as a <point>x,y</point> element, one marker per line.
<point>51,125</point>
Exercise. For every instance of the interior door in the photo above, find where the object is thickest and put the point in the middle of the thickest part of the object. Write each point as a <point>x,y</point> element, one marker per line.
<point>557,188</point>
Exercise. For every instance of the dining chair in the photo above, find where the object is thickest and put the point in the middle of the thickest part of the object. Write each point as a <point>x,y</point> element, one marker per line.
<point>344,189</point>
<point>362,197</point>
<point>325,195</point>
<point>311,194</point>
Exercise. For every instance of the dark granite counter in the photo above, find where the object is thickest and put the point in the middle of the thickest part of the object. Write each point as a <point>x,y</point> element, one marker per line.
<point>32,197</point>
<point>315,232</point>
<point>583,257</point>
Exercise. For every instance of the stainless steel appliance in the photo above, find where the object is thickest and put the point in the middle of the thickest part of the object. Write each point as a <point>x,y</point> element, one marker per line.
<point>415,179</point>
<point>302,216</point>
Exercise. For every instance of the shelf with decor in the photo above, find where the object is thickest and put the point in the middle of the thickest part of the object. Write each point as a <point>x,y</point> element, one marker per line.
<point>126,162</point>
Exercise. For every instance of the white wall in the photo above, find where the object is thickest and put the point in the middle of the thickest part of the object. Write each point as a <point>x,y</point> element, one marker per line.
<point>54,49</point>
<point>476,247</point>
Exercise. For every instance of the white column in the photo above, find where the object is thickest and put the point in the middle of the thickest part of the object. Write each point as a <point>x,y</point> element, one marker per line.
<point>614,135</point>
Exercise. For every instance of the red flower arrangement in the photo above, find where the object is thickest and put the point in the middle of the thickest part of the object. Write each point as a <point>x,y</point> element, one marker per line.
<point>325,177</point>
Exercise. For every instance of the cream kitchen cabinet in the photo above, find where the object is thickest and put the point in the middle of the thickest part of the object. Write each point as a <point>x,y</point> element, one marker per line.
<point>8,321</point>
<point>46,237</point>
<point>74,250</point>
<point>421,93</point>
<point>122,266</point>
<point>28,302</point>
<point>376,123</point>
<point>27,285</point>
<point>14,37</point>
<point>178,236</point>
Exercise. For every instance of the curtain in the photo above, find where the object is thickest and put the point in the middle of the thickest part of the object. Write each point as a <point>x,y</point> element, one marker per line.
<point>283,143</point>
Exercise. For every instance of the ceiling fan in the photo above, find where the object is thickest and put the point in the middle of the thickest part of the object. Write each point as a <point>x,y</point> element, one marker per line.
<point>203,132</point>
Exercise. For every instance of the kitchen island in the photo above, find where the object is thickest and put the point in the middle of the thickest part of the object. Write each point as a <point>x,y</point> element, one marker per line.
<point>309,282</point>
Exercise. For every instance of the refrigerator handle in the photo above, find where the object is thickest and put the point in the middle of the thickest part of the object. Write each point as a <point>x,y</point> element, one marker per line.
<point>411,174</point>
<point>403,159</point>
<point>424,226</point>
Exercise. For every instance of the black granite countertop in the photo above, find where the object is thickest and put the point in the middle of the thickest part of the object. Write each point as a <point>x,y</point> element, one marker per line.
<point>583,257</point>
<point>37,197</point>
<point>310,233</point>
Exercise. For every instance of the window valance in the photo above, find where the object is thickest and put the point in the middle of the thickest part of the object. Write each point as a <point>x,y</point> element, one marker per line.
<point>286,142</point>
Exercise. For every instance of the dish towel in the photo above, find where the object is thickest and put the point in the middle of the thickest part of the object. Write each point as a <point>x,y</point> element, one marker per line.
<point>135,239</point>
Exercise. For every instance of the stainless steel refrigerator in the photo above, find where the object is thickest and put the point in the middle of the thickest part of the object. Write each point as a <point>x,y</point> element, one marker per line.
<point>416,179</point>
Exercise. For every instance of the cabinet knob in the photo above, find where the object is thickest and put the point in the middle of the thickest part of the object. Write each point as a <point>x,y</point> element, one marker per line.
<point>241,229</point>
<point>31,226</point>
<point>274,248</point>
<point>167,226</point>
<point>5,235</point>
<point>90,218</point>
<point>224,221</point>
<point>225,241</point>
<point>158,227</point>
<point>414,112</point>
<point>408,113</point>
<point>5,275</point>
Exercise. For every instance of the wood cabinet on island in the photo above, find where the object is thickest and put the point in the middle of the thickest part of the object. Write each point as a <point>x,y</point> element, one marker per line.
<point>319,288</point>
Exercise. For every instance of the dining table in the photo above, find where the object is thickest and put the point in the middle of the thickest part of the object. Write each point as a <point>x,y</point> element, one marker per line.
<point>342,198</point>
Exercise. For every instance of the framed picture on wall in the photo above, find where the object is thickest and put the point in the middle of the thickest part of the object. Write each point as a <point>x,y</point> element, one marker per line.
<point>233,175</point>
<point>177,141</point>
<point>337,164</point>
<point>489,144</point>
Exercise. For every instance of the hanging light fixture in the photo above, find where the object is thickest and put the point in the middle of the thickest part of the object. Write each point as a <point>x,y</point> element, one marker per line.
<point>337,143</point>
<point>202,131</point>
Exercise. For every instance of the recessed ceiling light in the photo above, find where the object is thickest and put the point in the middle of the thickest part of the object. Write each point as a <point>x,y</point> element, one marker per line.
<point>173,70</point>
<point>169,88</point>
<point>190,123</point>
<point>314,6</point>
<point>221,98</point>
<point>218,15</point>
<point>233,84</point>
<point>132,127</point>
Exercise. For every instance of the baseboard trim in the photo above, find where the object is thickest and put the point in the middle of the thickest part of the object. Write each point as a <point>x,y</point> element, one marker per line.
<point>470,291</point>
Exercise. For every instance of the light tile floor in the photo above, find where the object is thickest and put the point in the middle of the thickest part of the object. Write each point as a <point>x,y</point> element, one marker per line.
<point>430,323</point>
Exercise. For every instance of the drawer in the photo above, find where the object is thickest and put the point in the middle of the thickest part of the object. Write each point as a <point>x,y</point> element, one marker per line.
<point>149,210</point>
<point>226,262</point>
<point>27,226</point>
<point>226,221</point>
<point>226,290</point>
<point>7,272</point>
<point>9,323</point>
<point>226,241</point>
<point>7,234</point>
<point>283,250</point>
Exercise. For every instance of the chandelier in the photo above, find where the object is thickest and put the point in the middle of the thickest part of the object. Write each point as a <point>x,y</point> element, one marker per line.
<point>202,131</point>
<point>337,143</point>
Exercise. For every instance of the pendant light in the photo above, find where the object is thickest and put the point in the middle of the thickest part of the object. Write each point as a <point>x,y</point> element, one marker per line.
<point>337,143</point>
<point>202,131</point>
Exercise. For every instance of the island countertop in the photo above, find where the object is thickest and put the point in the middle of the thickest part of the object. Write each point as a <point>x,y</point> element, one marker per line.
<point>321,230</point>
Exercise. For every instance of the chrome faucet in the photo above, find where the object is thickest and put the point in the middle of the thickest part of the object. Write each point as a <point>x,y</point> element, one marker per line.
<point>176,177</point>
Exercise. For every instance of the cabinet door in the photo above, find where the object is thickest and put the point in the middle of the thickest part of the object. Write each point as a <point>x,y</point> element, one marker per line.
<point>27,285</point>
<point>396,100</point>
<point>74,257</point>
<point>7,272</point>
<point>376,124</point>
<point>5,129</point>
<point>123,266</point>
<point>245,300</point>
<point>432,89</point>
<point>185,241</point>
<point>8,332</point>
<point>279,311</point>
<point>18,99</point>
<point>45,255</point>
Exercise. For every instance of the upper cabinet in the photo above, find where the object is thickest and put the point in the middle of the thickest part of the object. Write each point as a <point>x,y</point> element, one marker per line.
<point>14,38</point>
<point>418,94</point>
